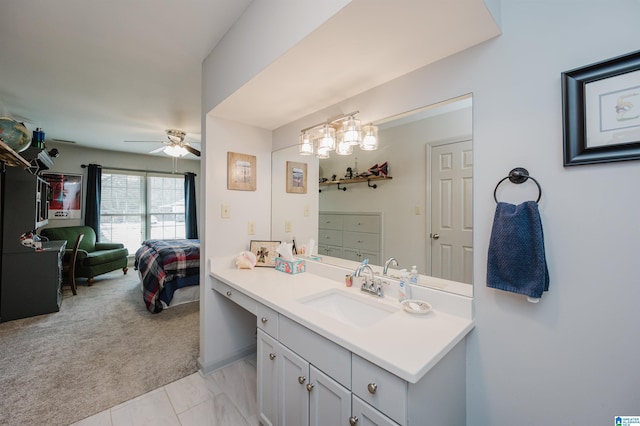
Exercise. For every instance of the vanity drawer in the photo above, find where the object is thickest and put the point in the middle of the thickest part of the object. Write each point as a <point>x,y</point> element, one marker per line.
<point>330,237</point>
<point>330,221</point>
<point>267,320</point>
<point>380,389</point>
<point>361,240</point>
<point>362,223</point>
<point>236,296</point>
<point>330,358</point>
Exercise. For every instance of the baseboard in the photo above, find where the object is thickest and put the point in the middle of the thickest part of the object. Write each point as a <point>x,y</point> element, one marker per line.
<point>209,368</point>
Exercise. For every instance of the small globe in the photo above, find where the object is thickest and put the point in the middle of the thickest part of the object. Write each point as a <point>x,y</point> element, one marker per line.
<point>14,134</point>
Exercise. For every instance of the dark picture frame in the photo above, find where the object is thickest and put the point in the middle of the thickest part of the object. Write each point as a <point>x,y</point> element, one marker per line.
<point>265,252</point>
<point>601,111</point>
<point>66,195</point>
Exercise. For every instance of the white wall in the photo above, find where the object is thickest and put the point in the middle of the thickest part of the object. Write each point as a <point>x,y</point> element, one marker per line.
<point>572,358</point>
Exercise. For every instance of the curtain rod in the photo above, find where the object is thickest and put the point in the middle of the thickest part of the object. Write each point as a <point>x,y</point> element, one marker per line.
<point>139,170</point>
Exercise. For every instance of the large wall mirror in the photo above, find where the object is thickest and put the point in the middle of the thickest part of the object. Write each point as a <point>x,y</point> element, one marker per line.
<point>421,216</point>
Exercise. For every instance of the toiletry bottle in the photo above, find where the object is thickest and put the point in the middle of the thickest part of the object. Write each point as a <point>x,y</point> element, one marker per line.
<point>404,278</point>
<point>413,275</point>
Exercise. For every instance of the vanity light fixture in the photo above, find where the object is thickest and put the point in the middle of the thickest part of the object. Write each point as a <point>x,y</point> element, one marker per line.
<point>339,134</point>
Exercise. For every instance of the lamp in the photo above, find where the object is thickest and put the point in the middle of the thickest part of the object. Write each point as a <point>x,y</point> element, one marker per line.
<point>175,151</point>
<point>339,134</point>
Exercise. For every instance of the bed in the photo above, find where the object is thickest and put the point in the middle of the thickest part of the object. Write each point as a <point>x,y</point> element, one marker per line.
<point>169,272</point>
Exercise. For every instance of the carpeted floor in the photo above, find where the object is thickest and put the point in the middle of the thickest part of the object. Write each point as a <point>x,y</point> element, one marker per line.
<point>101,349</point>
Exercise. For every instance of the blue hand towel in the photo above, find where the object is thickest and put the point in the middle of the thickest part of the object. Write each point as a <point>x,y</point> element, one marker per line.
<point>517,262</point>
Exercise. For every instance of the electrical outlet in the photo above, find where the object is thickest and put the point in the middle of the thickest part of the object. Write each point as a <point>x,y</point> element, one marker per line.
<point>306,211</point>
<point>225,211</point>
<point>251,229</point>
<point>287,226</point>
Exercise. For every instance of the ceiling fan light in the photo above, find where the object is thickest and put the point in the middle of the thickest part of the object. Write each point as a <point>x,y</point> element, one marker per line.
<point>306,144</point>
<point>370,138</point>
<point>175,151</point>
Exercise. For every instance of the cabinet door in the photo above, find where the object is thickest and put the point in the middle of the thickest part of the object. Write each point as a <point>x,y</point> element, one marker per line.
<point>293,393</point>
<point>267,371</point>
<point>329,402</point>
<point>365,415</point>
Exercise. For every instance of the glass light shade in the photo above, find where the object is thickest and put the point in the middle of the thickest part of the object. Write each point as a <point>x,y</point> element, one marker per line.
<point>351,131</point>
<point>175,151</point>
<point>370,138</point>
<point>328,139</point>
<point>344,148</point>
<point>306,144</point>
<point>322,153</point>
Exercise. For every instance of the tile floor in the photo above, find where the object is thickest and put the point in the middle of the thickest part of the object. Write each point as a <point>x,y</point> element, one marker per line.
<point>226,397</point>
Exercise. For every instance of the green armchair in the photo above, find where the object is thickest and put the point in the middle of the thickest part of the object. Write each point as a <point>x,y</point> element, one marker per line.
<point>94,258</point>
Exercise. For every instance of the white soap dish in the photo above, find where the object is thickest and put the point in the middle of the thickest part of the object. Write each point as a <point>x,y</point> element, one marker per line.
<point>415,306</point>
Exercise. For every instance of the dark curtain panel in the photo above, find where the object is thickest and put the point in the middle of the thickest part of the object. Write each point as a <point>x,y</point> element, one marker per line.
<point>190,220</point>
<point>94,191</point>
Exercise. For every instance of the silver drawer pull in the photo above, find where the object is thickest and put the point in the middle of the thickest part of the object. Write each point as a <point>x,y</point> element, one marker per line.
<point>272,356</point>
<point>229,293</point>
<point>264,320</point>
<point>372,388</point>
<point>301,379</point>
<point>309,387</point>
<point>353,420</point>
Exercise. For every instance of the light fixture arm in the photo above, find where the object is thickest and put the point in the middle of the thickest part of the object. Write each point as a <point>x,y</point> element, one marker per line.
<point>332,120</point>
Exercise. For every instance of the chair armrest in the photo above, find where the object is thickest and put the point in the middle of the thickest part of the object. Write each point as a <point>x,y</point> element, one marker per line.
<point>108,246</point>
<point>82,255</point>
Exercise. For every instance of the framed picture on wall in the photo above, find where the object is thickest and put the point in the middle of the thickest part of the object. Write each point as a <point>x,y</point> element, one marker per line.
<point>265,252</point>
<point>241,172</point>
<point>66,195</point>
<point>296,177</point>
<point>601,111</point>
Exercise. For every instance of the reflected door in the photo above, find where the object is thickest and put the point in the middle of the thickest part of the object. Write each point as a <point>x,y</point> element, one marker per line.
<point>451,216</point>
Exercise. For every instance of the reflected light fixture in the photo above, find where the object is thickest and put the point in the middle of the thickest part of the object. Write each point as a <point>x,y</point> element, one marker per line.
<point>339,134</point>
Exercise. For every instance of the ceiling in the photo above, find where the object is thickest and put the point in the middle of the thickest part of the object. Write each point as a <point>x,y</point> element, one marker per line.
<point>101,73</point>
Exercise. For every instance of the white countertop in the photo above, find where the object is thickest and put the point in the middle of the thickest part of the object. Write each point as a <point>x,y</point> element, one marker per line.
<point>405,344</point>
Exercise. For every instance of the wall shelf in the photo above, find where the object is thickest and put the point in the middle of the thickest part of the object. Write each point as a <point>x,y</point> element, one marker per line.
<point>367,179</point>
<point>12,158</point>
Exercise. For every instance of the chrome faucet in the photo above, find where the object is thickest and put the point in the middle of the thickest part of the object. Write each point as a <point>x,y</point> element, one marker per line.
<point>387,263</point>
<point>369,286</point>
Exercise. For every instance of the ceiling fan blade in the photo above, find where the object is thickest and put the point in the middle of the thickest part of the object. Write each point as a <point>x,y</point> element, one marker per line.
<point>157,150</point>
<point>192,150</point>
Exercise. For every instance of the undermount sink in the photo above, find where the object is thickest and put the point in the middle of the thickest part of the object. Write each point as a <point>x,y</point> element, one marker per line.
<point>349,309</point>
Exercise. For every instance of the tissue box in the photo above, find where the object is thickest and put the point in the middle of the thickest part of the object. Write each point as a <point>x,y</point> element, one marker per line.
<point>291,267</point>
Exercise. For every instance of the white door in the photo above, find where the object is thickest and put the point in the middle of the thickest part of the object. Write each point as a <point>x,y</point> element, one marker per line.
<point>329,401</point>
<point>293,394</point>
<point>451,215</point>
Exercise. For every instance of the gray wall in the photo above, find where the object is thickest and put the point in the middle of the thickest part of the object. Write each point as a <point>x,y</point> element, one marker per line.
<point>72,157</point>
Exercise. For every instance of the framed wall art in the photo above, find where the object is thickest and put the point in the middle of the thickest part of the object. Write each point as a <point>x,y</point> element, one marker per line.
<point>296,177</point>
<point>241,171</point>
<point>66,195</point>
<point>601,111</point>
<point>265,252</point>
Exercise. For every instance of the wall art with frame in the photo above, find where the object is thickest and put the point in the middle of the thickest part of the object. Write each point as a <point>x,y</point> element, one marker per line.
<point>296,177</point>
<point>265,252</point>
<point>601,111</point>
<point>241,172</point>
<point>66,195</point>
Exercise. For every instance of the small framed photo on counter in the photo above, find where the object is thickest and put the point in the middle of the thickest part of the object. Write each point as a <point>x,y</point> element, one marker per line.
<point>265,252</point>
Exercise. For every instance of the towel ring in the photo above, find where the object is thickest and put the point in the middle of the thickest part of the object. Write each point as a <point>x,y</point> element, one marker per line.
<point>518,175</point>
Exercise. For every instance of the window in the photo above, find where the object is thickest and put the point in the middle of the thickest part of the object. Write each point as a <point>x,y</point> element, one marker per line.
<point>138,206</point>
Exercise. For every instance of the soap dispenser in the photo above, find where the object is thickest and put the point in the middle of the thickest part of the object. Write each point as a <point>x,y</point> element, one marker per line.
<point>404,278</point>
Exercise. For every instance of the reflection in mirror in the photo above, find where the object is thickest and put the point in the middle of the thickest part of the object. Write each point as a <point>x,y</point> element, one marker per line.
<point>422,216</point>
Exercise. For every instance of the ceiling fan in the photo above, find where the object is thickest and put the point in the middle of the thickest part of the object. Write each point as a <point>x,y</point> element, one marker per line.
<point>175,145</point>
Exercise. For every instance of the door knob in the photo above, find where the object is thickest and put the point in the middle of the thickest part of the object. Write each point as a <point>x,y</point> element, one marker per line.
<point>309,386</point>
<point>301,379</point>
<point>353,420</point>
<point>229,293</point>
<point>272,356</point>
<point>372,388</point>
<point>435,236</point>
<point>264,320</point>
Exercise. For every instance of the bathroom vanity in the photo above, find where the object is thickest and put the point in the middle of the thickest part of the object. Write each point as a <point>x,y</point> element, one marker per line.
<point>328,354</point>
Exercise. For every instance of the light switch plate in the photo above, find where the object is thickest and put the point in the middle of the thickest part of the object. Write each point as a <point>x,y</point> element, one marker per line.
<point>287,226</point>
<point>225,212</point>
